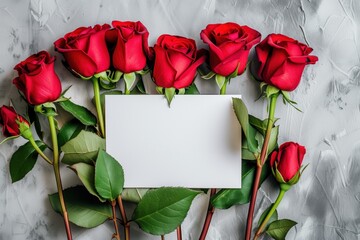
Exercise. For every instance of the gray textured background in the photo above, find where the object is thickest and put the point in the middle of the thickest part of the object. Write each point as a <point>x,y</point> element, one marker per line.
<point>325,202</point>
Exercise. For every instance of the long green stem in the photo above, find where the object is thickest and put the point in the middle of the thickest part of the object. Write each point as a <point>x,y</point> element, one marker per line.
<point>223,88</point>
<point>41,153</point>
<point>57,175</point>
<point>271,212</point>
<point>98,105</point>
<point>260,163</point>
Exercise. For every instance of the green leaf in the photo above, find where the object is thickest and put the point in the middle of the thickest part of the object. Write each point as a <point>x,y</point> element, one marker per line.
<point>169,94</point>
<point>84,209</point>
<point>192,89</point>
<point>273,217</point>
<point>129,79</point>
<point>162,210</point>
<point>70,130</point>
<point>243,118</point>
<point>226,198</point>
<point>208,76</point>
<point>258,124</point>
<point>109,176</point>
<point>278,229</point>
<point>83,148</point>
<point>220,80</point>
<point>23,160</point>
<point>133,194</point>
<point>79,112</point>
<point>86,174</point>
<point>273,139</point>
<point>140,88</point>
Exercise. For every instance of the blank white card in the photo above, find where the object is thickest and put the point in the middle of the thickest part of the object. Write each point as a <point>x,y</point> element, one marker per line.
<point>195,143</point>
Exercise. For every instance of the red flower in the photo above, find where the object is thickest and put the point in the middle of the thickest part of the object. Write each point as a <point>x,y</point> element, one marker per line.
<point>85,50</point>
<point>287,161</point>
<point>282,61</point>
<point>229,46</point>
<point>9,119</point>
<point>176,61</point>
<point>131,49</point>
<point>37,79</point>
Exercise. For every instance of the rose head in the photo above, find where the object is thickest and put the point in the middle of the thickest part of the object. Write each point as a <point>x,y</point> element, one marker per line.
<point>229,46</point>
<point>10,121</point>
<point>131,49</point>
<point>176,61</point>
<point>85,50</point>
<point>37,79</point>
<point>282,61</point>
<point>287,162</point>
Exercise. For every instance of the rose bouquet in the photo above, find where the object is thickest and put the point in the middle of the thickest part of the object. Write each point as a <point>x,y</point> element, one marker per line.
<point>107,55</point>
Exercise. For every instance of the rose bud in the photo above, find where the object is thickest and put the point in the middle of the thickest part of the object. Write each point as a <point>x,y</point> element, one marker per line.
<point>12,124</point>
<point>37,79</point>
<point>176,61</point>
<point>286,162</point>
<point>229,46</point>
<point>131,46</point>
<point>85,50</point>
<point>282,61</point>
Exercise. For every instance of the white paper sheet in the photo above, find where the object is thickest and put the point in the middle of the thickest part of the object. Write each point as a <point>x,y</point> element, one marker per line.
<point>195,143</point>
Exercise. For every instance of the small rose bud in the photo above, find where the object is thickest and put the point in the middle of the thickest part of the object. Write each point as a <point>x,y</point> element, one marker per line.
<point>12,123</point>
<point>286,162</point>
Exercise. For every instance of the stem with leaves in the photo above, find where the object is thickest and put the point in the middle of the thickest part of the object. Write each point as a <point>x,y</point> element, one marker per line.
<point>270,213</point>
<point>38,150</point>
<point>116,234</point>
<point>98,105</point>
<point>260,164</point>
<point>208,217</point>
<point>57,174</point>
<point>124,218</point>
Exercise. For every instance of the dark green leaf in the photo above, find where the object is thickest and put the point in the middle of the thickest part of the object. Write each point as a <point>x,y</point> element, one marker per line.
<point>84,209</point>
<point>23,160</point>
<point>70,130</point>
<point>83,148</point>
<point>278,229</point>
<point>243,118</point>
<point>140,86</point>
<point>162,210</point>
<point>258,124</point>
<point>86,174</point>
<point>192,89</point>
<point>133,194</point>
<point>79,112</point>
<point>273,217</point>
<point>109,176</point>
<point>226,198</point>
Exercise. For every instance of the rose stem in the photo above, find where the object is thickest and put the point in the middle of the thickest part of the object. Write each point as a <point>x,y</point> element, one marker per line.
<point>162,237</point>
<point>124,218</point>
<point>223,89</point>
<point>260,163</point>
<point>270,213</point>
<point>98,105</point>
<point>57,175</point>
<point>41,153</point>
<point>178,233</point>
<point>209,215</point>
<point>116,234</point>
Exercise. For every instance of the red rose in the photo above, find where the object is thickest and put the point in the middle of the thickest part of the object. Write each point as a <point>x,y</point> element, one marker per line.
<point>287,161</point>
<point>10,120</point>
<point>282,61</point>
<point>37,79</point>
<point>229,46</point>
<point>176,61</point>
<point>85,50</point>
<point>131,49</point>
